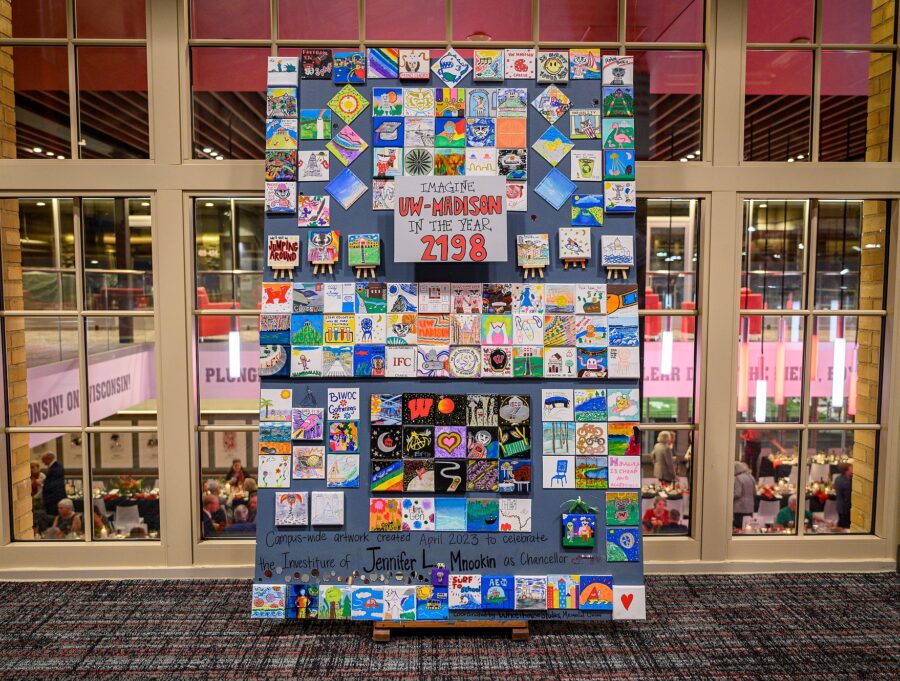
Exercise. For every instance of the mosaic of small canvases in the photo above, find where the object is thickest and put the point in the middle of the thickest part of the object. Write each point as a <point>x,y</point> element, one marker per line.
<point>448,131</point>
<point>393,502</point>
<point>439,330</point>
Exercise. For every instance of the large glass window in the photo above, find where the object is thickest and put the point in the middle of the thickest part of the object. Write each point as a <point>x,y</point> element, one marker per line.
<point>88,369</point>
<point>227,53</point>
<point>228,267</point>
<point>668,247</point>
<point>818,81</point>
<point>105,73</point>
<point>809,355</point>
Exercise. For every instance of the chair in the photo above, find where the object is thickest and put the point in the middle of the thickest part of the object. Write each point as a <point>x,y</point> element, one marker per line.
<point>767,511</point>
<point>767,480</point>
<point>830,512</point>
<point>793,476</point>
<point>127,517</point>
<point>562,473</point>
<point>819,472</point>
<point>213,326</point>
<point>652,324</point>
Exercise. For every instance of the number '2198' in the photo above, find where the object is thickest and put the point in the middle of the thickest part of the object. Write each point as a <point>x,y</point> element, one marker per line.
<point>438,248</point>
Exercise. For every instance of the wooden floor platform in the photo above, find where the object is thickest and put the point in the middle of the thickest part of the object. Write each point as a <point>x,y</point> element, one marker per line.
<point>381,631</point>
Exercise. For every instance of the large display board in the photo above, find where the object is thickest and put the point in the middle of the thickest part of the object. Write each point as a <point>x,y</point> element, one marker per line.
<point>489,463</point>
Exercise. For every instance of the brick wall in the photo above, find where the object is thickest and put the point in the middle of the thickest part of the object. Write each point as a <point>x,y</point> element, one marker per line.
<point>11,253</point>
<point>872,271</point>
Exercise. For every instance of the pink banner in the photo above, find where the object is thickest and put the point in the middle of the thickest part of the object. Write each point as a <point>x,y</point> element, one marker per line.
<point>116,380</point>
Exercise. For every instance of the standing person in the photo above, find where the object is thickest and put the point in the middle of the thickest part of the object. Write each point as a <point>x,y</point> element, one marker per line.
<point>54,483</point>
<point>744,494</point>
<point>663,456</point>
<point>753,448</point>
<point>843,489</point>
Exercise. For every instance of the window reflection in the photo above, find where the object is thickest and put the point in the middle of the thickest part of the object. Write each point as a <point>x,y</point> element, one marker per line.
<point>42,102</point>
<point>770,368</point>
<point>766,469</point>
<point>668,88</point>
<point>47,239</point>
<point>228,101</point>
<point>668,262</point>
<point>778,106</point>
<point>841,468</point>
<point>113,107</point>
<point>228,490</point>
<point>666,464</point>
<point>57,490</point>
<point>773,255</point>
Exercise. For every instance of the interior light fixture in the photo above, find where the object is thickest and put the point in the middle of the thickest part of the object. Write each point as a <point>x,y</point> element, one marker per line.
<point>40,204</point>
<point>790,160</point>
<point>145,203</point>
<point>683,160</point>
<point>220,158</point>
<point>209,204</point>
<point>207,150</point>
<point>50,153</point>
<point>837,383</point>
<point>690,157</point>
<point>665,363</point>
<point>37,150</point>
<point>760,412</point>
<point>234,354</point>
<point>844,271</point>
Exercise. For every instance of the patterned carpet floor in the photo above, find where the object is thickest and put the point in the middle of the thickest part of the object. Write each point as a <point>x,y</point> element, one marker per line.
<point>700,627</point>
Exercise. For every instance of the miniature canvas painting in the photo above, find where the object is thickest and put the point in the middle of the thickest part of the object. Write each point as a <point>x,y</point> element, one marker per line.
<point>292,509</point>
<point>326,508</point>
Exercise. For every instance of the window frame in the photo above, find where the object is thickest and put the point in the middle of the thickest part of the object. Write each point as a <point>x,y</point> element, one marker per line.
<point>810,314</point>
<point>82,314</point>
<point>816,47</point>
<point>71,42</point>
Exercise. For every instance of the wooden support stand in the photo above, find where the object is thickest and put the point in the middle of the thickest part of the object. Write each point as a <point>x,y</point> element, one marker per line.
<point>574,263</point>
<point>365,271</point>
<point>381,631</point>
<point>614,272</point>
<point>532,272</point>
<point>321,268</point>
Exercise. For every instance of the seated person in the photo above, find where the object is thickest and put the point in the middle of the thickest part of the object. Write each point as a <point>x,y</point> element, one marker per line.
<point>241,525</point>
<point>251,505</point>
<point>787,516</point>
<point>656,517</point>
<point>101,523</point>
<point>67,522</point>
<point>674,525</point>
<point>212,516</point>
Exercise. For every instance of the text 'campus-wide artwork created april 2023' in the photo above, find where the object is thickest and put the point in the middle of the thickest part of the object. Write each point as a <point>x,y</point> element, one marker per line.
<point>449,338</point>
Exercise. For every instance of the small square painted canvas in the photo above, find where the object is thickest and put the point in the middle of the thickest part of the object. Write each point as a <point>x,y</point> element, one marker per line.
<point>451,67</point>
<point>574,243</point>
<point>585,124</point>
<point>623,545</point>
<point>587,210</point>
<point>622,508</point>
<point>587,165</point>
<point>283,71</point>
<point>617,250</point>
<point>349,67</point>
<point>274,471</point>
<point>488,65</point>
<point>618,164</point>
<point>585,64</point>
<point>519,64</point>
<point>620,197</point>
<point>531,593</point>
<point>382,63</point>
<point>552,66</point>
<point>268,601</point>
<point>533,250</point>
<point>364,249</point>
<point>618,70</point>
<point>346,188</point>
<point>414,64</point>
<point>317,64</point>
<point>326,508</point>
<point>292,509</point>
<point>555,188</point>
<point>281,102</point>
<point>313,210</point>
<point>498,592</point>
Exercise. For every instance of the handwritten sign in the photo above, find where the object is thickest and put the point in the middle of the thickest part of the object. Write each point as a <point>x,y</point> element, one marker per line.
<point>343,404</point>
<point>450,219</point>
<point>624,472</point>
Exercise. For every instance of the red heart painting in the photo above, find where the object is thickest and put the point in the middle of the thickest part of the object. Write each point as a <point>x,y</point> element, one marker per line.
<point>627,599</point>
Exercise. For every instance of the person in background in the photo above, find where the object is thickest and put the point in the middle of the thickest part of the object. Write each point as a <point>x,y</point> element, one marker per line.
<point>843,490</point>
<point>249,486</point>
<point>235,476</point>
<point>251,506</point>
<point>137,533</point>
<point>54,483</point>
<point>67,522</point>
<point>102,525</point>
<point>787,516</point>
<point>753,447</point>
<point>657,516</point>
<point>212,516</point>
<point>744,494</point>
<point>663,456</point>
<point>37,480</point>
<point>674,525</point>
<point>241,525</point>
